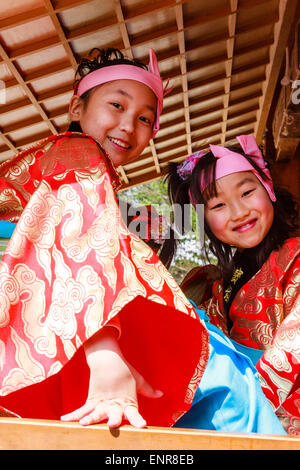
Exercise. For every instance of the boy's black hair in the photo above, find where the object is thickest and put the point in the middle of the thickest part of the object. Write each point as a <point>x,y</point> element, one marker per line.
<point>286,210</point>
<point>97,59</point>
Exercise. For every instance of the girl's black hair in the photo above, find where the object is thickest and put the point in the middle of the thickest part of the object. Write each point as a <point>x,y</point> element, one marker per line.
<point>286,210</point>
<point>97,59</point>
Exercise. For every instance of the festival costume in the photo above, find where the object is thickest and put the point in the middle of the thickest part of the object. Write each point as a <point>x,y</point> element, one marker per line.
<point>265,323</point>
<point>259,308</point>
<point>168,347</point>
<point>70,268</point>
<point>229,397</point>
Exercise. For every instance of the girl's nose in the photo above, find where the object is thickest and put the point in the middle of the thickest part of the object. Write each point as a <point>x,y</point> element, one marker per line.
<point>239,210</point>
<point>127,124</point>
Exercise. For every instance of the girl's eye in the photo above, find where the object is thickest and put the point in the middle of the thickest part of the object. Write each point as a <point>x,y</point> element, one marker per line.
<point>116,105</point>
<point>217,206</point>
<point>246,193</point>
<point>146,120</point>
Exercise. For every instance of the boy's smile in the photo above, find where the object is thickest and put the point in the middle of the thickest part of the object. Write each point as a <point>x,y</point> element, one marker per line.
<point>242,213</point>
<point>120,116</point>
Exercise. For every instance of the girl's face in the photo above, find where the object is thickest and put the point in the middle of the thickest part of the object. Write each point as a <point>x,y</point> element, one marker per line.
<point>120,116</point>
<point>242,213</point>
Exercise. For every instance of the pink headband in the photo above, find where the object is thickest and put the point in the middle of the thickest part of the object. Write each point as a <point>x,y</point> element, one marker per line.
<point>150,78</point>
<point>229,162</point>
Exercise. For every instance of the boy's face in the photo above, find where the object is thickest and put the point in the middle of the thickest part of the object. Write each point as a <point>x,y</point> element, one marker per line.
<point>120,116</point>
<point>242,213</point>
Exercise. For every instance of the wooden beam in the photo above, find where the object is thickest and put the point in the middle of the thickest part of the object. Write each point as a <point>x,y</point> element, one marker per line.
<point>60,33</point>
<point>22,124</point>
<point>62,5</point>
<point>150,8</point>
<point>207,18</point>
<point>34,48</point>
<point>286,149</point>
<point>287,9</point>
<point>92,27</point>
<point>108,22</point>
<point>7,142</point>
<point>37,13</point>
<point>22,18</point>
<point>184,79</point>
<point>123,29</point>
<point>32,139</point>
<point>27,91</point>
<point>199,43</point>
<point>231,23</point>
<point>122,172</point>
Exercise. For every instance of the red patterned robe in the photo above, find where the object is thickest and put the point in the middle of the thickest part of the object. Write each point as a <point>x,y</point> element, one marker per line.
<point>266,315</point>
<point>70,268</point>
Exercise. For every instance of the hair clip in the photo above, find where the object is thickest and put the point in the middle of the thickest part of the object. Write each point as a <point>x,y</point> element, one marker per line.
<point>186,168</point>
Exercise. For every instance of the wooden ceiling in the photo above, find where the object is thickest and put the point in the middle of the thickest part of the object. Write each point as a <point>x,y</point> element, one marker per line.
<point>223,58</point>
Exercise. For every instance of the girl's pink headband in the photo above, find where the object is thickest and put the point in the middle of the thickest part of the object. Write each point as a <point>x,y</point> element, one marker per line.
<point>229,162</point>
<point>150,78</point>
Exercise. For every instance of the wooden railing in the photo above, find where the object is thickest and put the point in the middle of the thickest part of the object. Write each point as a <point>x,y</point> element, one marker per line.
<point>28,434</point>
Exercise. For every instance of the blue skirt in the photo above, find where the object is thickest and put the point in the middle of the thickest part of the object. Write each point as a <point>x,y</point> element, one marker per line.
<point>229,397</point>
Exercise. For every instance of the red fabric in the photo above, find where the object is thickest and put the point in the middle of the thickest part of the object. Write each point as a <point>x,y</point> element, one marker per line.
<point>166,360</point>
<point>70,268</point>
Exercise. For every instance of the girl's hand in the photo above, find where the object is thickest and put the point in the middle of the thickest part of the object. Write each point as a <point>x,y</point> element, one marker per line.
<point>113,386</point>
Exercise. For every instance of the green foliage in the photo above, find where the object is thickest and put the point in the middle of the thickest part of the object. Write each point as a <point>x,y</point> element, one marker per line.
<point>154,192</point>
<point>189,252</point>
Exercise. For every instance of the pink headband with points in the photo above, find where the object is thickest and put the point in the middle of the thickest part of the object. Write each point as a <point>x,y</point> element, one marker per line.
<point>229,162</point>
<point>150,78</point>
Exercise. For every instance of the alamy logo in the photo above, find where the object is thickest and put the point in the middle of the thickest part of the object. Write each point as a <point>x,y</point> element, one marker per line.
<point>150,225</point>
<point>296,93</point>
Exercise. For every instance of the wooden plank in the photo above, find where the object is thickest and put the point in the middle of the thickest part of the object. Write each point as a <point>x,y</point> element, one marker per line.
<point>26,434</point>
<point>7,141</point>
<point>27,91</point>
<point>22,18</point>
<point>145,10</point>
<point>230,44</point>
<point>287,10</point>
<point>60,33</point>
<point>184,79</point>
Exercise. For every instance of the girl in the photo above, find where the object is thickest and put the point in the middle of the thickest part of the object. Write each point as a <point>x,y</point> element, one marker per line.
<point>82,300</point>
<point>229,397</point>
<point>254,299</point>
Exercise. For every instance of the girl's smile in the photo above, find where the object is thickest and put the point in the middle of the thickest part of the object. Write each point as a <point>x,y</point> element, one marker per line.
<point>245,226</point>
<point>242,213</point>
<point>120,116</point>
